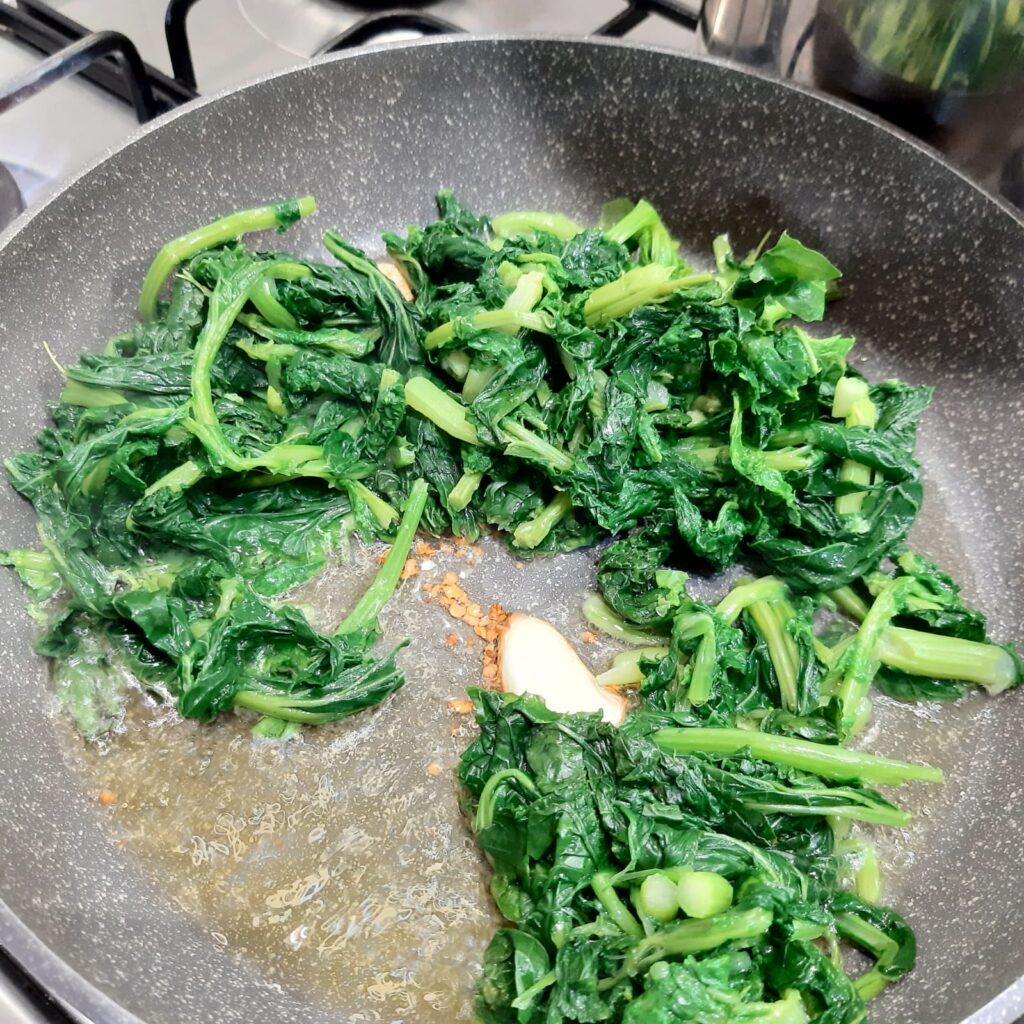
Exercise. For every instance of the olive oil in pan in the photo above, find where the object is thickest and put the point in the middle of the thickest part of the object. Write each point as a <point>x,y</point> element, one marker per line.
<point>338,861</point>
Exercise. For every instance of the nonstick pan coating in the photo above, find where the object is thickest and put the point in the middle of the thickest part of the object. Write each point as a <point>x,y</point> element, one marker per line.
<point>935,295</point>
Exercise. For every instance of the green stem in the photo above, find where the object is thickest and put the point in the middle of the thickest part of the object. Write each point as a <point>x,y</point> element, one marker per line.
<point>771,618</point>
<point>702,672</point>
<point>181,478</point>
<point>334,339</point>
<point>488,796</point>
<point>264,298</point>
<point>525,999</point>
<point>270,706</point>
<point>641,217</point>
<point>364,616</point>
<point>379,508</point>
<point>462,493</point>
<point>692,936</point>
<point>505,320</point>
<point>601,617</point>
<point>853,402</point>
<point>860,662</point>
<point>824,760</point>
<point>226,302</point>
<point>526,222</point>
<point>525,444</point>
<point>477,378</point>
<point>626,670</point>
<point>533,531</point>
<point>767,588</point>
<point>947,657</point>
<point>528,291</point>
<point>849,601</point>
<point>853,473</point>
<point>874,941</point>
<point>604,890</point>
<point>639,286</point>
<point>215,233</point>
<point>440,408</point>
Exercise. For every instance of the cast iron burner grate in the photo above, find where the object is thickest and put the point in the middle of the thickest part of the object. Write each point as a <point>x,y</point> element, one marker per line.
<point>111,61</point>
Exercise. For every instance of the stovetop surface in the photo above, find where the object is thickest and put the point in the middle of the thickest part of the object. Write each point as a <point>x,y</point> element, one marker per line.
<point>234,41</point>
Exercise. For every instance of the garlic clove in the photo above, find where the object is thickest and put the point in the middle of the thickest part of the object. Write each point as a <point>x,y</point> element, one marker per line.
<point>533,657</point>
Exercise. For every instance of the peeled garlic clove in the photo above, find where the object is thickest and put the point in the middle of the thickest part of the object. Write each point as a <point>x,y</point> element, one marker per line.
<point>394,274</point>
<point>533,657</point>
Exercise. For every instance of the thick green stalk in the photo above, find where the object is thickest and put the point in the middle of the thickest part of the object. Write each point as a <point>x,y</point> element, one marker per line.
<point>455,362</point>
<point>533,531</point>
<point>525,444</point>
<point>702,670</point>
<point>604,890</point>
<point>641,217</point>
<point>477,378</point>
<point>440,408</point>
<point>526,222</point>
<point>771,618</point>
<point>626,667</point>
<point>947,657</point>
<point>639,286</point>
<point>528,291</point>
<point>853,402</point>
<point>264,298</point>
<point>462,493</point>
<point>860,663</point>
<point>693,936</point>
<point>824,760</point>
<point>181,478</point>
<point>849,601</point>
<point>873,941</point>
<point>767,588</point>
<point>379,508</point>
<point>785,460</point>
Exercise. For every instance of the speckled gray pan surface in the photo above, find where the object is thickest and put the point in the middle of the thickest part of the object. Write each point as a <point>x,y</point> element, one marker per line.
<point>98,905</point>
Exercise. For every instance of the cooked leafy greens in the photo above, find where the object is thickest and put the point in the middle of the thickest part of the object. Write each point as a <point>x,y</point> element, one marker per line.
<point>562,386</point>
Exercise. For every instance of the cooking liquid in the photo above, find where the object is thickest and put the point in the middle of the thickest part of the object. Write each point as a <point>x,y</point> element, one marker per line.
<point>338,861</point>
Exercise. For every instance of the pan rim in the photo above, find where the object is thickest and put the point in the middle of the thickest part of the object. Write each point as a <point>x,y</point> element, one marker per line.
<point>21,943</point>
<point>448,39</point>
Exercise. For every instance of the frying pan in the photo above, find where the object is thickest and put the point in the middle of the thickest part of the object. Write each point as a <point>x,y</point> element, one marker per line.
<point>332,879</point>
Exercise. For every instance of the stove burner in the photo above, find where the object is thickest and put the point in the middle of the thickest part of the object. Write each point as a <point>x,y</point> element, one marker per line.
<point>383,5</point>
<point>11,201</point>
<point>388,26</point>
<point>301,27</point>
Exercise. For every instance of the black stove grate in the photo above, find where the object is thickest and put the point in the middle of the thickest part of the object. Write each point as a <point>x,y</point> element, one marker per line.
<point>110,61</point>
<point>638,11</point>
<point>376,27</point>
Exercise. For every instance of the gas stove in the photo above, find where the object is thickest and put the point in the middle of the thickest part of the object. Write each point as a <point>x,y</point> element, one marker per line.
<point>78,76</point>
<point>204,46</point>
